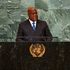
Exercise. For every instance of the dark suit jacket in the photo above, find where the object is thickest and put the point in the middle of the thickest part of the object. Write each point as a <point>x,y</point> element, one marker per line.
<point>26,32</point>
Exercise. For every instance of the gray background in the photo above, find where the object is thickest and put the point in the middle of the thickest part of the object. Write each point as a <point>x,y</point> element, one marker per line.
<point>55,12</point>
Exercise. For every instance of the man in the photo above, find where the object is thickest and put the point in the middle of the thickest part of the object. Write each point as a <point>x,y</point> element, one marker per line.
<point>33,29</point>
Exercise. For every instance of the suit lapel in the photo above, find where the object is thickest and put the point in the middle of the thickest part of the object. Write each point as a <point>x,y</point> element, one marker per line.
<point>37,25</point>
<point>30,27</point>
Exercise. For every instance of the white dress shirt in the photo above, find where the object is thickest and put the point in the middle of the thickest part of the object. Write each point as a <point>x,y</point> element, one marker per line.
<point>31,22</point>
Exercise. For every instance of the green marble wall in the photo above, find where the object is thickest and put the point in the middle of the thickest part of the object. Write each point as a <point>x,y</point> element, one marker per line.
<point>55,12</point>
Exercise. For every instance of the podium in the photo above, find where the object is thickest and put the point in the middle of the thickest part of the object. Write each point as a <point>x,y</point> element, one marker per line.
<point>17,56</point>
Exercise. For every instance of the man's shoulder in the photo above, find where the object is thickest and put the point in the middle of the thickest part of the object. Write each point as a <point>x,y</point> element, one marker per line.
<point>42,22</point>
<point>23,22</point>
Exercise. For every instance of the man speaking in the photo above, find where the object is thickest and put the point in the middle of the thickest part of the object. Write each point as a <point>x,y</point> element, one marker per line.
<point>33,29</point>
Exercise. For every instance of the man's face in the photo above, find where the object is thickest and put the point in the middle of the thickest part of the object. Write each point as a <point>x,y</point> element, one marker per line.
<point>32,13</point>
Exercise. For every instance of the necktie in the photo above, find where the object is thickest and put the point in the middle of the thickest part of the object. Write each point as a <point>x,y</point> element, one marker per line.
<point>34,26</point>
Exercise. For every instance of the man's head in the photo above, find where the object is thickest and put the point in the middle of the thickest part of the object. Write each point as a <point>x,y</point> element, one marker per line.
<point>32,13</point>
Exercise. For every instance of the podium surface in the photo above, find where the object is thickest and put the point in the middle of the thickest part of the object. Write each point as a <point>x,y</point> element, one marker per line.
<point>17,56</point>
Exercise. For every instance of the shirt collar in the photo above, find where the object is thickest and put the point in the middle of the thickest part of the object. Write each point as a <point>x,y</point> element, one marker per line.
<point>32,21</point>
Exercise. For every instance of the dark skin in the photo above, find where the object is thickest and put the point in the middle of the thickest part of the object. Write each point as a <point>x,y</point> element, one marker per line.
<point>32,13</point>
